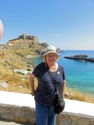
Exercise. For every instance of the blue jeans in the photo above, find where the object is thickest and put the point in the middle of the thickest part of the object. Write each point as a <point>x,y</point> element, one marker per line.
<point>45,115</point>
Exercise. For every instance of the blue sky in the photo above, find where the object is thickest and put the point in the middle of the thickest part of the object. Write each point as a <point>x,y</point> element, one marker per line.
<point>67,24</point>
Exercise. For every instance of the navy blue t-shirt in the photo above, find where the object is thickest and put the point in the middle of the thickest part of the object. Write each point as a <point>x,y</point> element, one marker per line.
<point>44,94</point>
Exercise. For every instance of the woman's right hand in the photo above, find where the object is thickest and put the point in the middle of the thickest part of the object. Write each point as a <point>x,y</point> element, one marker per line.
<point>32,84</point>
<point>32,93</point>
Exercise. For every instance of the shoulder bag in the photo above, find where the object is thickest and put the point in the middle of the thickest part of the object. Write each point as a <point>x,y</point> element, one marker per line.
<point>59,103</point>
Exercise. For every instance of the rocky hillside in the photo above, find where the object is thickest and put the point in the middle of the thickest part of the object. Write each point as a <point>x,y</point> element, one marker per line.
<point>14,60</point>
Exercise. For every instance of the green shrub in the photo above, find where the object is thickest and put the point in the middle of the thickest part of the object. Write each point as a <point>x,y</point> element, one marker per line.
<point>28,69</point>
<point>21,73</point>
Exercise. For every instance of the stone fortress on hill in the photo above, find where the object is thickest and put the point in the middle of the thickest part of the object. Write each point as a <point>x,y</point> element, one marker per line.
<point>23,40</point>
<point>25,37</point>
<point>26,41</point>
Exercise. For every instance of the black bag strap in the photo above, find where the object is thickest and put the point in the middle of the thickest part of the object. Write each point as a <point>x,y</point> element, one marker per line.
<point>52,79</point>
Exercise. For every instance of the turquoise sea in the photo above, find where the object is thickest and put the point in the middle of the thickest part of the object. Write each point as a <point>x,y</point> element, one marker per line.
<point>79,74</point>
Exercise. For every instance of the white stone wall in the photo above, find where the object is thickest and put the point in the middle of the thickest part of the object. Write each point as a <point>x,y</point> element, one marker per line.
<point>17,113</point>
<point>20,107</point>
<point>27,115</point>
<point>72,119</point>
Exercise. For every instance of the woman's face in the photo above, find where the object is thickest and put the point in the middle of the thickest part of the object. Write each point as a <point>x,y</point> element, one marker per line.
<point>51,58</point>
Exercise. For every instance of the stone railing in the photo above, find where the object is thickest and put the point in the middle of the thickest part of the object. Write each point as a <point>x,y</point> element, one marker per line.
<point>74,119</point>
<point>17,113</point>
<point>21,108</point>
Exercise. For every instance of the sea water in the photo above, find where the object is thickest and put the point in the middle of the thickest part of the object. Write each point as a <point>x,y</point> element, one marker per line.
<point>79,74</point>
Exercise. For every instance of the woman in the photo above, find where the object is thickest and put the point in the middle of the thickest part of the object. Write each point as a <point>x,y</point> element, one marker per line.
<point>44,94</point>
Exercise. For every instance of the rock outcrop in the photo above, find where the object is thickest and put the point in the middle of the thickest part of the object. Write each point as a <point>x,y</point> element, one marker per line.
<point>59,50</point>
<point>80,57</point>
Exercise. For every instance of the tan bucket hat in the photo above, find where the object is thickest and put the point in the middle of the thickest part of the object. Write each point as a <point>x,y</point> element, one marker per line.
<point>50,49</point>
